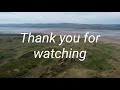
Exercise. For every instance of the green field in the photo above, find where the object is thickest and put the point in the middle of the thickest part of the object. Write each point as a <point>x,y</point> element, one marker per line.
<point>17,61</point>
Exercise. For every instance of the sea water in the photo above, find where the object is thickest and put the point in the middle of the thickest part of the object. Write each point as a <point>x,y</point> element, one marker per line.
<point>103,33</point>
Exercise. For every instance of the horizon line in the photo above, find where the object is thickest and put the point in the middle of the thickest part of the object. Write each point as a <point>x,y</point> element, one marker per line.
<point>63,23</point>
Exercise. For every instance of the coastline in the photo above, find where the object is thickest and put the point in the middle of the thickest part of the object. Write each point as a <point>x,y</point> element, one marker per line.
<point>107,36</point>
<point>105,39</point>
<point>110,40</point>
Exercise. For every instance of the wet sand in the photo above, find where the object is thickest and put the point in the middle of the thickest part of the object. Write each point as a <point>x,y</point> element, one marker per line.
<point>105,39</point>
<point>107,36</point>
<point>110,40</point>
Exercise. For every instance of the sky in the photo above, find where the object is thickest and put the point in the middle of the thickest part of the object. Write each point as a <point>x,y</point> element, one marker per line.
<point>60,17</point>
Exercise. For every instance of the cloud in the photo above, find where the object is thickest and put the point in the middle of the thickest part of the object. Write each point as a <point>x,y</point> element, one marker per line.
<point>61,17</point>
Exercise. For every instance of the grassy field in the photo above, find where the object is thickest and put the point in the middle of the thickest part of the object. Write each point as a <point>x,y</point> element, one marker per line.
<point>16,60</point>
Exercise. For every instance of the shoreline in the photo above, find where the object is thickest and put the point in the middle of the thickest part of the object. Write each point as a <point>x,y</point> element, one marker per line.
<point>110,40</point>
<point>105,39</point>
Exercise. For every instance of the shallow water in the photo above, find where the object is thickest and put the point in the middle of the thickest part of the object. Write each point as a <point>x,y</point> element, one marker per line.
<point>18,30</point>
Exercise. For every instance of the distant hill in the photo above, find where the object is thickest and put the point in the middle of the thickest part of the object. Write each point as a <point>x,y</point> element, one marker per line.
<point>66,25</point>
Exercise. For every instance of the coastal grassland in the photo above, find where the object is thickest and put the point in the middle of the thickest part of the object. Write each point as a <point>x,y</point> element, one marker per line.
<point>16,60</point>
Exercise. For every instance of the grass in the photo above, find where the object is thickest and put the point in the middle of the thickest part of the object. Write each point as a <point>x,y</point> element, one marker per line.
<point>12,65</point>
